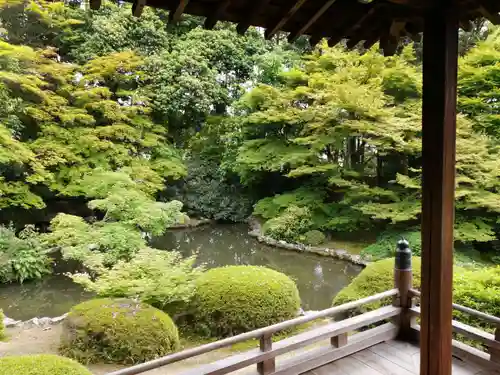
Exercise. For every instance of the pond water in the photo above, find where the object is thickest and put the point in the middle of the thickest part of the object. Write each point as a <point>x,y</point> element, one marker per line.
<point>318,278</point>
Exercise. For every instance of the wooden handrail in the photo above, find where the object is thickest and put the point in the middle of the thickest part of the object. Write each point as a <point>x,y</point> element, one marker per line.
<point>490,341</point>
<point>256,334</point>
<point>478,314</point>
<point>471,332</point>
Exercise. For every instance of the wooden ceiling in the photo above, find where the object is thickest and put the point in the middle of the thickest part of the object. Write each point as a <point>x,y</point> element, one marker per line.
<point>354,20</point>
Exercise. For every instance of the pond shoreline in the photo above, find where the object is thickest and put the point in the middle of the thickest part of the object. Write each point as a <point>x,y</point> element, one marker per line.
<point>340,254</point>
<point>319,275</point>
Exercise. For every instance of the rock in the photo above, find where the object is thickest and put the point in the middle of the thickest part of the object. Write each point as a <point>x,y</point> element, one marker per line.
<point>59,319</point>
<point>44,322</point>
<point>8,322</point>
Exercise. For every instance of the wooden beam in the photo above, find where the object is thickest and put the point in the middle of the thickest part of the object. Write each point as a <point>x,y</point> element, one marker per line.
<point>488,12</point>
<point>355,31</point>
<point>95,4</point>
<point>272,30</point>
<point>138,7</point>
<point>369,43</point>
<point>219,11</point>
<point>466,25</point>
<point>175,16</point>
<point>256,9</point>
<point>294,35</point>
<point>315,39</point>
<point>334,40</point>
<point>438,152</point>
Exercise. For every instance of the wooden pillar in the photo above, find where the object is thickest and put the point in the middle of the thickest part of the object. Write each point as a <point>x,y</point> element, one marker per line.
<point>438,151</point>
<point>268,366</point>
<point>403,278</point>
<point>495,353</point>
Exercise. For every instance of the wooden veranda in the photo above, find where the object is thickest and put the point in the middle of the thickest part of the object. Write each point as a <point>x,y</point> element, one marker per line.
<point>370,21</point>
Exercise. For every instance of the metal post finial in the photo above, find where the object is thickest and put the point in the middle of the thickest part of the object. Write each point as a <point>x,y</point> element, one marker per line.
<point>403,255</point>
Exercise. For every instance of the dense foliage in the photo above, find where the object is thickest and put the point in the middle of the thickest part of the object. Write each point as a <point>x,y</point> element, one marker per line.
<point>385,246</point>
<point>343,132</point>
<point>111,126</point>
<point>41,364</point>
<point>117,331</point>
<point>236,299</point>
<point>313,237</point>
<point>162,279</point>
<point>327,141</point>
<point>22,256</point>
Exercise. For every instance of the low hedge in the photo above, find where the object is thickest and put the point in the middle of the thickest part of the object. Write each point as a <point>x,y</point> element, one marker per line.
<point>235,299</point>
<point>117,331</point>
<point>41,364</point>
<point>477,288</point>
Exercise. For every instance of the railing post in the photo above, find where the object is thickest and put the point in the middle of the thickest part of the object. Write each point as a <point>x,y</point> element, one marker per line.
<point>268,366</point>
<point>495,353</point>
<point>403,277</point>
<point>339,341</point>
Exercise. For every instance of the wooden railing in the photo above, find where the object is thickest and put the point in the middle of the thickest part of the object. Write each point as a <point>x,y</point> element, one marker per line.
<point>490,358</point>
<point>264,357</point>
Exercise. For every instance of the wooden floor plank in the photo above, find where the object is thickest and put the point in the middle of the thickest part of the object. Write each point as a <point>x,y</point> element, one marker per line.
<point>405,347</point>
<point>330,369</point>
<point>352,366</point>
<point>381,364</point>
<point>396,356</point>
<point>464,368</point>
<point>391,358</point>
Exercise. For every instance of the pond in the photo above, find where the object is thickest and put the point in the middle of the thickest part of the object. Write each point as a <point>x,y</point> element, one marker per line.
<point>318,278</point>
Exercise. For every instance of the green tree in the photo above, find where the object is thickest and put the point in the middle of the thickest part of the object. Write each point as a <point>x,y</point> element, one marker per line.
<point>346,129</point>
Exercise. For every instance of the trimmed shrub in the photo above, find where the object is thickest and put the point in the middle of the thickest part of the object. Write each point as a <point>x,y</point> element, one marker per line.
<point>289,225</point>
<point>475,288</point>
<point>41,364</point>
<point>117,331</point>
<point>313,237</point>
<point>377,277</point>
<point>236,299</point>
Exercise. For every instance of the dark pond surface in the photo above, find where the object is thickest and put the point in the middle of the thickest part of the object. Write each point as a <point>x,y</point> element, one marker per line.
<point>318,278</point>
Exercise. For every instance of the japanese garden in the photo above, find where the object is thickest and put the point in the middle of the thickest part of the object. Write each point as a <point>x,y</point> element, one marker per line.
<point>164,185</point>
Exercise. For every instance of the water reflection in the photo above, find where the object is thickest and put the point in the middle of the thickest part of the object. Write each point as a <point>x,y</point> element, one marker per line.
<point>318,278</point>
<point>52,296</point>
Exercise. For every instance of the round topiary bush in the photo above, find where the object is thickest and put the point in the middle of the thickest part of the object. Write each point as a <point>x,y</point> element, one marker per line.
<point>236,299</point>
<point>376,278</point>
<point>41,364</point>
<point>117,331</point>
<point>313,237</point>
<point>2,327</point>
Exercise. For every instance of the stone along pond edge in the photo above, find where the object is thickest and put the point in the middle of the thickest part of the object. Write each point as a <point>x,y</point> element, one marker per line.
<point>340,254</point>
